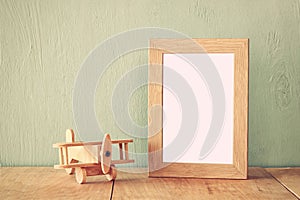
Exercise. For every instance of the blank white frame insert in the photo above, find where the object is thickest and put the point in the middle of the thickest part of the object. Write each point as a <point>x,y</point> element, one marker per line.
<point>222,152</point>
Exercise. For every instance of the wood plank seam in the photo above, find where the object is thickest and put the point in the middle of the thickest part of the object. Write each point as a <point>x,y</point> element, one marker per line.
<point>283,185</point>
<point>112,189</point>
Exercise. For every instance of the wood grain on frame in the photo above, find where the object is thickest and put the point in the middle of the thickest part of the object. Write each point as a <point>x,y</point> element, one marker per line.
<point>157,168</point>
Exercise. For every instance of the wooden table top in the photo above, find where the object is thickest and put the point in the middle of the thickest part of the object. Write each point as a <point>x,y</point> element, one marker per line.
<point>288,177</point>
<point>48,183</point>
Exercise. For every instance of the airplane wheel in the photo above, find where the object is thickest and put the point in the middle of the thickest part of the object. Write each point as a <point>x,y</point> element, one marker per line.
<point>70,171</point>
<point>112,175</point>
<point>80,174</point>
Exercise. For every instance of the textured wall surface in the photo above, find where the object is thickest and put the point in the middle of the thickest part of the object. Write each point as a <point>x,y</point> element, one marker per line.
<point>44,42</point>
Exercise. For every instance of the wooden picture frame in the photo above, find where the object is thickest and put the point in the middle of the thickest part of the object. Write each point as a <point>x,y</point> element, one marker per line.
<point>159,168</point>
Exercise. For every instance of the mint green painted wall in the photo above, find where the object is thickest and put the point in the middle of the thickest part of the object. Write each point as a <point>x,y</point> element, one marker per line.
<point>44,42</point>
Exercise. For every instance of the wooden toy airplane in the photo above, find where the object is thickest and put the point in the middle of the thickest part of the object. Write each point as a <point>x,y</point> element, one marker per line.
<point>91,158</point>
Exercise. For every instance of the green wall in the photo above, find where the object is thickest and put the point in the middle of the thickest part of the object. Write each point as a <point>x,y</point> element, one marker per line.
<point>44,42</point>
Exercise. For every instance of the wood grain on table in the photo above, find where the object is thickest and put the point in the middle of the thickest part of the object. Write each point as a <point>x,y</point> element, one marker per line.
<point>288,177</point>
<point>260,185</point>
<point>48,183</point>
